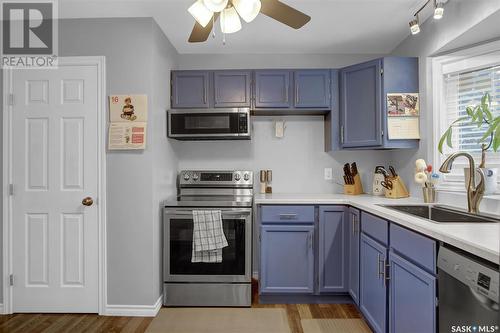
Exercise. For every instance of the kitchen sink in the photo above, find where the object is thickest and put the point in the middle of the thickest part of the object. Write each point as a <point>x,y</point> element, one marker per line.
<point>441,214</point>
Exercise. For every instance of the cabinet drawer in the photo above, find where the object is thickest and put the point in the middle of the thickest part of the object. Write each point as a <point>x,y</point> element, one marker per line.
<point>295,214</point>
<point>375,227</point>
<point>417,248</point>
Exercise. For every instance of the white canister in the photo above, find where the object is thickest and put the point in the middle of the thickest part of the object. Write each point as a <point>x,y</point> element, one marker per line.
<point>490,179</point>
<point>378,189</point>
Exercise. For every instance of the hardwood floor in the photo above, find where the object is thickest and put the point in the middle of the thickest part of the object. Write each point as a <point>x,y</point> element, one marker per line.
<point>76,323</point>
<point>80,323</point>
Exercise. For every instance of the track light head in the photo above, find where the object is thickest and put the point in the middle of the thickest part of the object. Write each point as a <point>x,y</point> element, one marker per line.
<point>414,26</point>
<point>438,10</point>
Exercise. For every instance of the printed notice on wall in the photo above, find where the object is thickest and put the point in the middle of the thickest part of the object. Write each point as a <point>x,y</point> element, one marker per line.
<point>403,113</point>
<point>127,136</point>
<point>128,115</point>
<point>403,128</point>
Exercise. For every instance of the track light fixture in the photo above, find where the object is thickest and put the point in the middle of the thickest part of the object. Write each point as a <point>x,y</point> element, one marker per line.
<point>438,14</point>
<point>438,10</point>
<point>414,26</point>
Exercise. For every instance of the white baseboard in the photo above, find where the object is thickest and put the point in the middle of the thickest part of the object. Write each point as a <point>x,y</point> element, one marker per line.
<point>134,310</point>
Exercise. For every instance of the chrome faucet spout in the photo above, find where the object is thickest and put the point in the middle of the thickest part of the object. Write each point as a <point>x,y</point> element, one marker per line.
<point>474,193</point>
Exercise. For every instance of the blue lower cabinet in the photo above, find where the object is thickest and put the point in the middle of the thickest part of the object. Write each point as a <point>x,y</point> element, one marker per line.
<point>373,289</point>
<point>332,249</point>
<point>412,297</point>
<point>287,259</point>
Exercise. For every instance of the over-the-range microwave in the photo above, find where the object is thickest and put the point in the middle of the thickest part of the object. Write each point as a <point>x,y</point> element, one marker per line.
<point>209,124</point>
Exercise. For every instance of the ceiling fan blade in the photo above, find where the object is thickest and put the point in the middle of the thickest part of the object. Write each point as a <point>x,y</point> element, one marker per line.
<point>200,34</point>
<point>283,13</point>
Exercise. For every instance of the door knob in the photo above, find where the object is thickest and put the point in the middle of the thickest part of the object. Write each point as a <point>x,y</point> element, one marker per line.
<point>88,201</point>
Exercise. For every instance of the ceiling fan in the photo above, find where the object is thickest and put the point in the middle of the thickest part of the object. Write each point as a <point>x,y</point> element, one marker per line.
<point>206,12</point>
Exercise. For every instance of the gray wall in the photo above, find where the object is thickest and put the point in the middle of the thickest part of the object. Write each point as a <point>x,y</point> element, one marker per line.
<point>464,22</point>
<point>138,60</point>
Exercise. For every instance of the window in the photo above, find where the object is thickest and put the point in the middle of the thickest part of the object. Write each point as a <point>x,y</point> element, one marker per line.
<point>462,81</point>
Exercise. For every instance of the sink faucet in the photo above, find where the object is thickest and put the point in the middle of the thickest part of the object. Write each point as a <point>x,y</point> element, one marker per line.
<point>474,193</point>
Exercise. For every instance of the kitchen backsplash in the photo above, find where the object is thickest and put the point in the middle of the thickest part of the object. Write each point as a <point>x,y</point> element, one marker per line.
<point>297,160</point>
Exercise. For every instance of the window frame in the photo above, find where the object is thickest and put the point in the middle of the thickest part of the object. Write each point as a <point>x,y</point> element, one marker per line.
<point>466,60</point>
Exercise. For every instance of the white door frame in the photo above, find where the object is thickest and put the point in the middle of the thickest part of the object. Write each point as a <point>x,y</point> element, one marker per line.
<point>100,63</point>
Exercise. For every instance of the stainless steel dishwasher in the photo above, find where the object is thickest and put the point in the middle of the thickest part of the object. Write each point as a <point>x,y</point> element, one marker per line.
<point>468,293</point>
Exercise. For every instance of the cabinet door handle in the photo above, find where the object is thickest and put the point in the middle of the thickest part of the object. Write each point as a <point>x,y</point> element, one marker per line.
<point>356,224</point>
<point>381,272</point>
<point>289,216</point>
<point>296,94</point>
<point>310,241</point>
<point>353,225</point>
<point>388,268</point>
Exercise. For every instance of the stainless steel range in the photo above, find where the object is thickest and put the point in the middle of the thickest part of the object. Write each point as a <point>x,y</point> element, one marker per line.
<point>209,284</point>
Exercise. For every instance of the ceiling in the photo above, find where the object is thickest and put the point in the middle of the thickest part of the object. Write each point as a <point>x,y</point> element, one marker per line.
<point>337,26</point>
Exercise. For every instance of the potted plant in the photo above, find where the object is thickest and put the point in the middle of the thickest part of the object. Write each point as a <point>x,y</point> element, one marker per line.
<point>480,116</point>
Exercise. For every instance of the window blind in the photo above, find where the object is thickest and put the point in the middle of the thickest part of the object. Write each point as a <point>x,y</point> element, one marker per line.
<point>463,89</point>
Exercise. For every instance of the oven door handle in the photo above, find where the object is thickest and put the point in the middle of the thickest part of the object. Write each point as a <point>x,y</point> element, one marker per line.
<point>233,213</point>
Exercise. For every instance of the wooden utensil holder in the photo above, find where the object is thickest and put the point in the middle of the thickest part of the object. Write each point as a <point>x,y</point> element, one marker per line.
<point>354,189</point>
<point>398,190</point>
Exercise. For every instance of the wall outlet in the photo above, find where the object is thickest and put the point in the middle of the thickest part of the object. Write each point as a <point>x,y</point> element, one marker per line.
<point>328,173</point>
<point>279,129</point>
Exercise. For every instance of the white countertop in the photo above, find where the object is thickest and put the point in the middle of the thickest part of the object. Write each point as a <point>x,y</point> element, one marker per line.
<point>481,239</point>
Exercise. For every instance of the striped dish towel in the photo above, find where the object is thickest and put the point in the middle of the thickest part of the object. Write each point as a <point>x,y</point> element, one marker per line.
<point>208,236</point>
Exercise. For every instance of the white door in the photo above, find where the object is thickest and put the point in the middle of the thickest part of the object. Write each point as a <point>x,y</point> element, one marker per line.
<point>54,167</point>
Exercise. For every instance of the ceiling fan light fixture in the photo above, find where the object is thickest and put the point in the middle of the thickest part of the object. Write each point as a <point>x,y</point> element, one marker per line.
<point>414,26</point>
<point>201,13</point>
<point>215,5</point>
<point>438,10</point>
<point>230,21</point>
<point>248,9</point>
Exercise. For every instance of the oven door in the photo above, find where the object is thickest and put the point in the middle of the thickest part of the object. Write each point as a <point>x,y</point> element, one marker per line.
<point>178,245</point>
<point>199,124</point>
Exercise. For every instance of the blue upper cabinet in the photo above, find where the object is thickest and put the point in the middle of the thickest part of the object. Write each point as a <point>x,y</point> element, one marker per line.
<point>373,290</point>
<point>363,101</point>
<point>412,303</point>
<point>354,228</point>
<point>232,89</point>
<point>272,89</point>
<point>312,89</point>
<point>333,260</point>
<point>360,95</point>
<point>190,89</point>
<point>287,259</point>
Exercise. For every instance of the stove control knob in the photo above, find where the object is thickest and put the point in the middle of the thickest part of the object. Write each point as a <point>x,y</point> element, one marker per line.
<point>186,176</point>
<point>195,176</point>
<point>237,176</point>
<point>246,176</point>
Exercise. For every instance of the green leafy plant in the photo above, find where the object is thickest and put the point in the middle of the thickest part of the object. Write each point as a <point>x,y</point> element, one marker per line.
<point>480,116</point>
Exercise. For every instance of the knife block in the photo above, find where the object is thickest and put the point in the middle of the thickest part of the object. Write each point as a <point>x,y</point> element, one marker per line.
<point>398,190</point>
<point>354,189</point>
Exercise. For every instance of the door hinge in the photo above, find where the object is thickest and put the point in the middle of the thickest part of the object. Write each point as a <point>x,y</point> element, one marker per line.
<point>381,71</point>
<point>342,134</point>
<point>11,279</point>
<point>437,302</point>
<point>382,133</point>
<point>11,189</point>
<point>10,99</point>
